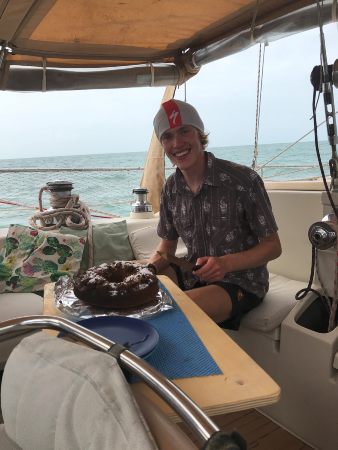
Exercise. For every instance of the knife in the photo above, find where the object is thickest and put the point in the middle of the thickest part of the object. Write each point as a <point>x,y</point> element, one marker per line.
<point>181,262</point>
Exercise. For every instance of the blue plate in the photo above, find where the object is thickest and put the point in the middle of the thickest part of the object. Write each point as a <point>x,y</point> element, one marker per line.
<point>135,334</point>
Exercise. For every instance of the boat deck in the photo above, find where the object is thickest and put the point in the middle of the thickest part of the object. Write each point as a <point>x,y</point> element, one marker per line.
<point>259,432</point>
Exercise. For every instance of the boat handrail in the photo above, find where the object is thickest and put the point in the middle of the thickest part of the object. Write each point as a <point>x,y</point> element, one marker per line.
<point>198,422</point>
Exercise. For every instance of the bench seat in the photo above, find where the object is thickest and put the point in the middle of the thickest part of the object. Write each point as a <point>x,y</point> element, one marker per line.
<point>277,304</point>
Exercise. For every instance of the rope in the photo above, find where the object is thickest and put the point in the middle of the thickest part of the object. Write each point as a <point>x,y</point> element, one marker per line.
<point>333,311</point>
<point>4,50</point>
<point>303,292</point>
<point>103,214</point>
<point>253,22</point>
<point>44,75</point>
<point>334,301</point>
<point>291,145</point>
<point>67,169</point>
<point>325,294</point>
<point>331,305</point>
<point>288,172</point>
<point>68,211</point>
<point>334,11</point>
<point>258,101</point>
<point>8,202</point>
<point>152,74</point>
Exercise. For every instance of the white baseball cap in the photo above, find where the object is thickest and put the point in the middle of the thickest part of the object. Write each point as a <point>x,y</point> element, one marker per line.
<point>175,113</point>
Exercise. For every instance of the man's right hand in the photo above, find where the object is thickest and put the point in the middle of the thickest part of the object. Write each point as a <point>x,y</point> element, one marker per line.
<point>211,269</point>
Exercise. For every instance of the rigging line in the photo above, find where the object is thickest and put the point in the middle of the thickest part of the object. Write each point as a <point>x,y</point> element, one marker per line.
<point>289,172</point>
<point>255,153</point>
<point>276,176</point>
<point>260,95</point>
<point>152,73</point>
<point>253,23</point>
<point>328,94</point>
<point>258,102</point>
<point>294,168</point>
<point>252,30</point>
<point>68,169</point>
<point>315,128</point>
<point>2,54</point>
<point>44,75</point>
<point>291,145</point>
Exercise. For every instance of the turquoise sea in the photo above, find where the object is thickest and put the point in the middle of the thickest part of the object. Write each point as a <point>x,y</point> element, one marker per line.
<point>111,192</point>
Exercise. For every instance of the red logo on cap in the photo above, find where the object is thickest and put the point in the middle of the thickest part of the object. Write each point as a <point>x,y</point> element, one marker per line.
<point>173,113</point>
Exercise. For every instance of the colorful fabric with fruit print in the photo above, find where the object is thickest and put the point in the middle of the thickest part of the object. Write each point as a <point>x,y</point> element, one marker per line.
<point>31,258</point>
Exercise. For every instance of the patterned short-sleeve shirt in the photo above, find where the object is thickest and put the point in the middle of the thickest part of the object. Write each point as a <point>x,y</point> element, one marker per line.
<point>230,213</point>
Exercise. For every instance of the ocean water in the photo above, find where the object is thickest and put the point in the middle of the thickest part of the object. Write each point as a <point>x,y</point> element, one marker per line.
<point>111,192</point>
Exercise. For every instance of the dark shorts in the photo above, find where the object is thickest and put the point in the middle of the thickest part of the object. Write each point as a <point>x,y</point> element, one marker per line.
<point>242,302</point>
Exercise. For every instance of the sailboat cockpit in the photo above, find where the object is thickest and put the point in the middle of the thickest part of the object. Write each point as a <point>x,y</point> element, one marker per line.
<point>292,337</point>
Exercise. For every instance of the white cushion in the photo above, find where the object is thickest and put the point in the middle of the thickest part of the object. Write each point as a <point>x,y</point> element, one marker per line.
<point>5,442</point>
<point>3,234</point>
<point>136,224</point>
<point>17,305</point>
<point>57,394</point>
<point>145,240</point>
<point>276,305</point>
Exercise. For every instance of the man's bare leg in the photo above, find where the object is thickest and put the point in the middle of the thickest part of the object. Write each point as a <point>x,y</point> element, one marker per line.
<point>214,301</point>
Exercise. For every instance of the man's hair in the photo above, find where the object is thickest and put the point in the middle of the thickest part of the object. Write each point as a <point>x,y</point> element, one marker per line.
<point>204,138</point>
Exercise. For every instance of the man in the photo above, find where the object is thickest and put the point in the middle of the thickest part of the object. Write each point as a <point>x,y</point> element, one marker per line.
<point>223,215</point>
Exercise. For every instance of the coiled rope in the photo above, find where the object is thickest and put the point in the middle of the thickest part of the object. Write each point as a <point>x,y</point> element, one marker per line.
<point>68,211</point>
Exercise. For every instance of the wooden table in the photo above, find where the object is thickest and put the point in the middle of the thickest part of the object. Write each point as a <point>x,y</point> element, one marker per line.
<point>242,385</point>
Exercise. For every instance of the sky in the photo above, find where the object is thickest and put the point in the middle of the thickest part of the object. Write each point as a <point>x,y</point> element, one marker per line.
<point>224,93</point>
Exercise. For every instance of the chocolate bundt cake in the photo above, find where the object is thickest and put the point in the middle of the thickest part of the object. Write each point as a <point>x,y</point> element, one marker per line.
<point>119,285</point>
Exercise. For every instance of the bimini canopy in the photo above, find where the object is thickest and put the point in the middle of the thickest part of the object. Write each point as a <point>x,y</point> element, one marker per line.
<point>91,44</point>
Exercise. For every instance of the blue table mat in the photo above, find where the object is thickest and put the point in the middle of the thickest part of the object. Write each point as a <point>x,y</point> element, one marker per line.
<point>180,352</point>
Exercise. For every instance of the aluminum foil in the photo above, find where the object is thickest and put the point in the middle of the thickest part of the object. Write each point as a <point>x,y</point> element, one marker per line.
<point>76,309</point>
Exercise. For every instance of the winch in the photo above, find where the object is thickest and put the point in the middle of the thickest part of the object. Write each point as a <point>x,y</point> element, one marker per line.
<point>141,208</point>
<point>61,189</point>
<point>322,235</point>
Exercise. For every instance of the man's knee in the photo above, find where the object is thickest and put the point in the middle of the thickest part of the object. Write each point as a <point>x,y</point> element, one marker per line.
<point>214,301</point>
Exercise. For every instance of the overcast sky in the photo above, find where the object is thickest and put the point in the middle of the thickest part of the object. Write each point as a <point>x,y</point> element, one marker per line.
<point>224,92</point>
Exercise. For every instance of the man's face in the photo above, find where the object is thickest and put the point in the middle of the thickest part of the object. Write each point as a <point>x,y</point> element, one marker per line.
<point>183,146</point>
